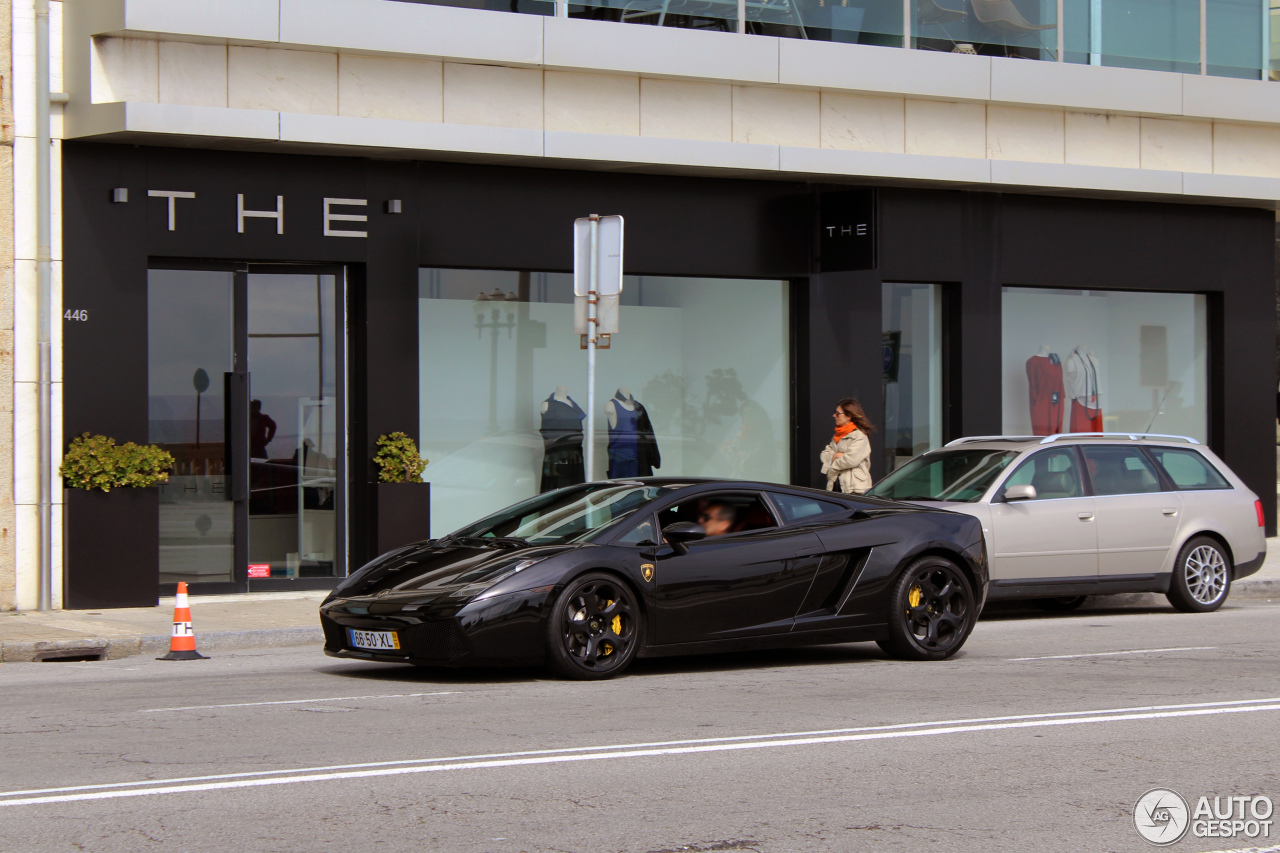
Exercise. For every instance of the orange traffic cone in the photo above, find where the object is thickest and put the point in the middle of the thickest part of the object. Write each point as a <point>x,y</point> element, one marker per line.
<point>182,644</point>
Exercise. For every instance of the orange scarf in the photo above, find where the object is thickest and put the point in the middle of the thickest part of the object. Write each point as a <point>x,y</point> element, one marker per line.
<point>842,431</point>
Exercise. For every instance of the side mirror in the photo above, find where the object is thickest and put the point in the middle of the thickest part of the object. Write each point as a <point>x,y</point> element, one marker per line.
<point>681,533</point>
<point>1020,493</point>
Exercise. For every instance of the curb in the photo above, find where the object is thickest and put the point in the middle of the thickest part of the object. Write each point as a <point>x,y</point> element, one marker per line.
<point>157,644</point>
<point>1255,589</point>
<point>1263,590</point>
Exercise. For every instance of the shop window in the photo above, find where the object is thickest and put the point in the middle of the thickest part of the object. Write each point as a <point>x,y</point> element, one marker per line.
<point>911,330</point>
<point>1103,361</point>
<point>696,383</point>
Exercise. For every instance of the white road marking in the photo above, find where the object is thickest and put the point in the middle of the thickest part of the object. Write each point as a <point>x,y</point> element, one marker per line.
<point>300,701</point>
<point>576,749</point>
<point>1129,652</point>
<point>1248,850</point>
<point>632,751</point>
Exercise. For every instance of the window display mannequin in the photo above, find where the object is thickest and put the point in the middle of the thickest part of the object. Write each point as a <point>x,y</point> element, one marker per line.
<point>561,441</point>
<point>1048,396</point>
<point>633,448</point>
<point>1082,375</point>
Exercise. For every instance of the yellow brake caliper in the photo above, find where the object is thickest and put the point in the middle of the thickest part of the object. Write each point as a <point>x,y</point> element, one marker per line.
<point>607,648</point>
<point>915,596</point>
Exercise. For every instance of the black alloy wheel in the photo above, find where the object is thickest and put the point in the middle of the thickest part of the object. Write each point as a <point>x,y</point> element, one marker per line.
<point>595,628</point>
<point>1064,604</point>
<point>1201,576</point>
<point>931,611</point>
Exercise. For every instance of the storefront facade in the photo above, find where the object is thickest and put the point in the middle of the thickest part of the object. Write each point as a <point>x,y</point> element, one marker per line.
<point>266,317</point>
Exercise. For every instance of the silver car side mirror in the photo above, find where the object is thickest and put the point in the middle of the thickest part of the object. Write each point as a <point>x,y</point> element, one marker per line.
<point>1020,493</point>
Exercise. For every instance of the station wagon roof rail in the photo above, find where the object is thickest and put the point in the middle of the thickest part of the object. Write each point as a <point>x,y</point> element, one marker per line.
<point>971,438</point>
<point>1132,436</point>
<point>1049,439</point>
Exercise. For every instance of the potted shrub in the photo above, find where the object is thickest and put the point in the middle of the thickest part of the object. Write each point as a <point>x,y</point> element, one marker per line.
<point>113,521</point>
<point>402,501</point>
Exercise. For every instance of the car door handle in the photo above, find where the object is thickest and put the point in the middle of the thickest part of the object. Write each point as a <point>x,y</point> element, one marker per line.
<point>1169,512</point>
<point>1085,516</point>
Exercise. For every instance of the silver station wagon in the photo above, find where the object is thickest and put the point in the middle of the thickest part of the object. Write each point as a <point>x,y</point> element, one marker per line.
<point>1072,515</point>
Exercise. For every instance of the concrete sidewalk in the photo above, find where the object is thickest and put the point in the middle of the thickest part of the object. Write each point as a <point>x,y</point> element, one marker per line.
<point>221,622</point>
<point>225,622</point>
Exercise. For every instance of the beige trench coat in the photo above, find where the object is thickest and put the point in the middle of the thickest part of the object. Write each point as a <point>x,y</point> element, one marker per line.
<point>853,470</point>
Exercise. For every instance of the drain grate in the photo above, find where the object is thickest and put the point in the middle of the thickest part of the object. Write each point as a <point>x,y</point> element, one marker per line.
<point>72,655</point>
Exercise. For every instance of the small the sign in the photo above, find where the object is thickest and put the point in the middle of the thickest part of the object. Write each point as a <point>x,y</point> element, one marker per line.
<point>847,231</point>
<point>259,570</point>
<point>608,256</point>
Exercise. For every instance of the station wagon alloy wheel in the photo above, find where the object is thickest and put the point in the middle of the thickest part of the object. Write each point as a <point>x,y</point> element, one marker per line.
<point>931,611</point>
<point>595,628</point>
<point>1201,577</point>
<point>1206,574</point>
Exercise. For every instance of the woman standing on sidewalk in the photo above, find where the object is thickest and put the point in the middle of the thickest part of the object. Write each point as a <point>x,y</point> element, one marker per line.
<point>847,459</point>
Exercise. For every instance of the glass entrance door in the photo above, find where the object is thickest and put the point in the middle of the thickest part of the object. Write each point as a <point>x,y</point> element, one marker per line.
<point>245,376</point>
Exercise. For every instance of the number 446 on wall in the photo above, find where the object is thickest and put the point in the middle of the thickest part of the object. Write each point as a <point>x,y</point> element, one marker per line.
<point>80,315</point>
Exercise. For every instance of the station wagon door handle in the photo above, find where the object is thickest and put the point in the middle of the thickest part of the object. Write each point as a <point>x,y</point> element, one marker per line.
<point>1085,516</point>
<point>1170,512</point>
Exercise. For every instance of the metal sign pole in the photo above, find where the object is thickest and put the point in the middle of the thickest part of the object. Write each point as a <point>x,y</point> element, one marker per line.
<point>593,300</point>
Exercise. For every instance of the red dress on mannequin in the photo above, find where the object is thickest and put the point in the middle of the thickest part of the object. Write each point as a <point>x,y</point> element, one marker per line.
<point>1085,419</point>
<point>1048,401</point>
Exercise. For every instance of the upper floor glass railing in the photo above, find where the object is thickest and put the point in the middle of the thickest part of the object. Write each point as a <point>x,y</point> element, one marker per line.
<point>1225,38</point>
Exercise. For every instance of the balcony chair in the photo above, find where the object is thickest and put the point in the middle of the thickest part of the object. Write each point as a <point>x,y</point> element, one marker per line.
<point>1003,15</point>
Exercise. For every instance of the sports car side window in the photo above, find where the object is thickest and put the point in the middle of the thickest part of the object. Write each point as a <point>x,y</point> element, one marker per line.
<point>721,514</point>
<point>1054,473</point>
<point>795,508</point>
<point>641,534</point>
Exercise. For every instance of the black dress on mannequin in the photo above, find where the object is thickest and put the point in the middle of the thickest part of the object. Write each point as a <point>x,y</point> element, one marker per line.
<point>561,430</point>
<point>633,448</point>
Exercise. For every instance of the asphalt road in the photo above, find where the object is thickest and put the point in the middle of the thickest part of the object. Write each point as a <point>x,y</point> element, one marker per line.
<point>1040,736</point>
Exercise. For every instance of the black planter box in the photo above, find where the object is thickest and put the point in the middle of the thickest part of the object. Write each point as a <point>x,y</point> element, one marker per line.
<point>402,513</point>
<point>112,548</point>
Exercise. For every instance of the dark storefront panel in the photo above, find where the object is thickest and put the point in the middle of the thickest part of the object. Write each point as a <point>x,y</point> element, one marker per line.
<point>969,245</point>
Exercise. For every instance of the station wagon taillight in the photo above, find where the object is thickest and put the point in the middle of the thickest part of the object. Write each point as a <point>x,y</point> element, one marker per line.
<point>1262,519</point>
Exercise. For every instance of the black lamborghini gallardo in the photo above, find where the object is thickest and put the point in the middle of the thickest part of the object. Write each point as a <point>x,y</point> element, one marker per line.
<point>587,578</point>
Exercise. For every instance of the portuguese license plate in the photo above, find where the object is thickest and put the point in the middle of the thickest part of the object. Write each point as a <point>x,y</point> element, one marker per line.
<point>374,641</point>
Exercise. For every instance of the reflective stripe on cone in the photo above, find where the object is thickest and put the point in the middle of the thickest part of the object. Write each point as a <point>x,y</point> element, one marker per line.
<point>182,643</point>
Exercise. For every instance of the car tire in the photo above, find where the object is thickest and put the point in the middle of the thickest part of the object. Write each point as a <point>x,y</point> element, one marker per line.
<point>595,628</point>
<point>1063,604</point>
<point>932,611</point>
<point>1201,576</point>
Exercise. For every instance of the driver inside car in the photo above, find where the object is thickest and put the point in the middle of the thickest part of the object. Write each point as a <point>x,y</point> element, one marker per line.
<point>717,518</point>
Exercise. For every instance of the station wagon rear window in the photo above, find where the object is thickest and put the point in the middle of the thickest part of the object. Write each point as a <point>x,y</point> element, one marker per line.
<point>1188,469</point>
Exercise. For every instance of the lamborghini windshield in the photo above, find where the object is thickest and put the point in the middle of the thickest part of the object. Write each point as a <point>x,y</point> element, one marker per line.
<point>571,514</point>
<point>946,475</point>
